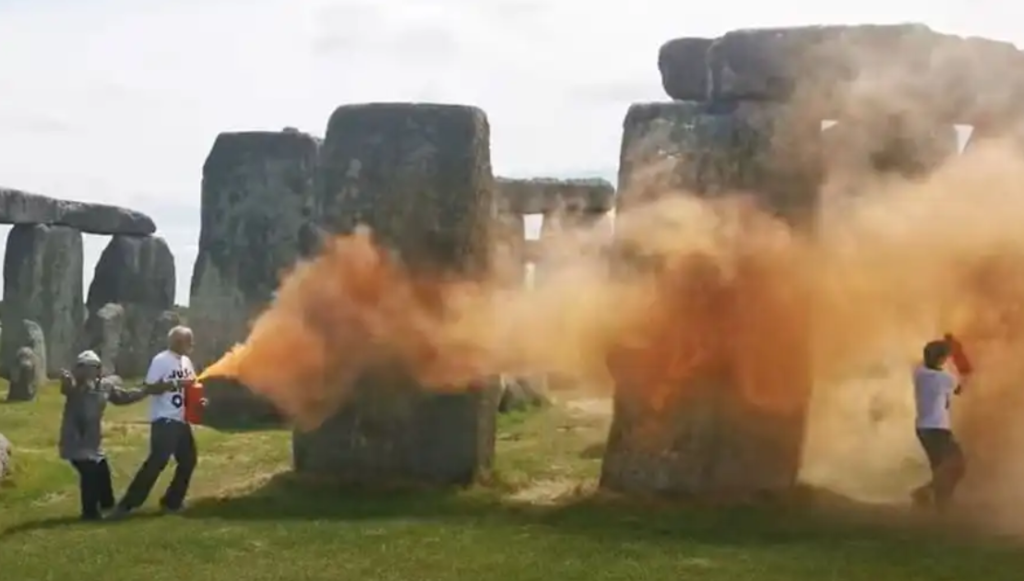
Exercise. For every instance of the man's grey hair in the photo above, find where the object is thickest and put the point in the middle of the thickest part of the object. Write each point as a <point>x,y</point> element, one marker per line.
<point>178,331</point>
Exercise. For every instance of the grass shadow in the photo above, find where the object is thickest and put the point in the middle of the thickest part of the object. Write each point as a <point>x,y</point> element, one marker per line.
<point>244,425</point>
<point>599,517</point>
<point>66,521</point>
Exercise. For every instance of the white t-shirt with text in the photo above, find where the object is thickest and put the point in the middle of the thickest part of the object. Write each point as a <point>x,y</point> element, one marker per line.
<point>933,390</point>
<point>165,366</point>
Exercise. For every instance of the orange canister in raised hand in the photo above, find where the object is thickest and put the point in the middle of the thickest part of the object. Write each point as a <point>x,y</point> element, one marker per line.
<point>958,355</point>
<point>194,402</point>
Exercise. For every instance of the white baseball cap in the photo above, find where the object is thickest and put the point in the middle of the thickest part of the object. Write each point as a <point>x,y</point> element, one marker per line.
<point>89,358</point>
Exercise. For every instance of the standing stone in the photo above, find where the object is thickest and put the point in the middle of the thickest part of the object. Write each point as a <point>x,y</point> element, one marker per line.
<point>684,68</point>
<point>510,241</point>
<point>137,273</point>
<point>166,321</point>
<point>859,151</point>
<point>256,208</point>
<point>43,283</point>
<point>521,394</point>
<point>566,204</point>
<point>420,176</point>
<point>257,197</point>
<point>686,147</point>
<point>730,426</point>
<point>104,330</point>
<point>6,452</point>
<point>29,371</point>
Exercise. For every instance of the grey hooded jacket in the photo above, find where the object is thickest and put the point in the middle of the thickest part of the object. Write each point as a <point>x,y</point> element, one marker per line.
<point>81,433</point>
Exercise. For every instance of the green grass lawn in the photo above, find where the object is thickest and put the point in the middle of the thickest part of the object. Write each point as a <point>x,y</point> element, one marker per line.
<point>540,520</point>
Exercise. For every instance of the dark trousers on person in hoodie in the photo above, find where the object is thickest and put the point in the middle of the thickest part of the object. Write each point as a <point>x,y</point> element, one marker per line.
<point>167,438</point>
<point>95,487</point>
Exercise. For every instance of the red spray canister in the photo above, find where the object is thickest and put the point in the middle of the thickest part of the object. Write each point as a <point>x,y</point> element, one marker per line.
<point>958,355</point>
<point>193,401</point>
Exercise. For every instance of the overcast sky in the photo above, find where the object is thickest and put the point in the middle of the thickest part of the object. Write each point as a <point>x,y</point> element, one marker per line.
<point>119,101</point>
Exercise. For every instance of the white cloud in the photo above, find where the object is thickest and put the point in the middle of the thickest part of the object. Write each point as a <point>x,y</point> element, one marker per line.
<point>119,101</point>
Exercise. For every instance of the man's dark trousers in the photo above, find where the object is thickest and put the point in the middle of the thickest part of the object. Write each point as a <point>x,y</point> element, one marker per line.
<point>167,438</point>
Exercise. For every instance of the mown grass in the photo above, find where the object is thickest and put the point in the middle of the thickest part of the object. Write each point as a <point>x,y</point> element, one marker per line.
<point>249,521</point>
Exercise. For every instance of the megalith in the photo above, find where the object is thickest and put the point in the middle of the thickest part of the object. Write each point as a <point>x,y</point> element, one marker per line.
<point>29,371</point>
<point>18,207</point>
<point>43,283</point>
<point>104,330</point>
<point>138,274</point>
<point>6,457</point>
<point>684,69</point>
<point>834,70</point>
<point>165,321</point>
<point>730,426</point>
<point>509,242</point>
<point>420,176</point>
<point>568,205</point>
<point>257,204</point>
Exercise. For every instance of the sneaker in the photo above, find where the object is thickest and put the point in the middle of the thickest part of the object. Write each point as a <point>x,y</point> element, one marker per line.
<point>91,517</point>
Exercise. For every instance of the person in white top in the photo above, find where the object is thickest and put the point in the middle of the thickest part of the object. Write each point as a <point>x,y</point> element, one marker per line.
<point>934,388</point>
<point>170,433</point>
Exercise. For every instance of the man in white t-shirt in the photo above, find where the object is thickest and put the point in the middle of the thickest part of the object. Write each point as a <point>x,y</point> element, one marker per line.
<point>934,389</point>
<point>170,433</point>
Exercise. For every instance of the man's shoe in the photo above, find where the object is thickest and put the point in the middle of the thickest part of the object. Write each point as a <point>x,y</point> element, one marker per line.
<point>171,509</point>
<point>91,517</point>
<point>119,513</point>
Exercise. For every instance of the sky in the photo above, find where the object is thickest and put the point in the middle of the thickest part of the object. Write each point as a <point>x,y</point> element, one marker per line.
<point>119,101</point>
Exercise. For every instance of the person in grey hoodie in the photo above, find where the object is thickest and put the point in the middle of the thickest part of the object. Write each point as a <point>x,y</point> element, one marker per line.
<point>86,395</point>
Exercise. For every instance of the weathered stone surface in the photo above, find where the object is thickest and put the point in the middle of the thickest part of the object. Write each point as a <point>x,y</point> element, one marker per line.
<point>43,283</point>
<point>729,426</point>
<point>762,148</point>
<point>134,269</point>
<point>257,203</point>
<point>104,330</point>
<point>521,394</point>
<point>684,68</point>
<point>23,383</point>
<point>420,176</point>
<point>29,368</point>
<point>853,70</point>
<point>773,63</point>
<point>708,445</point>
<point>137,273</point>
<point>892,144</point>
<point>17,207</point>
<point>550,195</point>
<point>6,455</point>
<point>510,248</point>
<point>409,437</point>
<point>165,321</point>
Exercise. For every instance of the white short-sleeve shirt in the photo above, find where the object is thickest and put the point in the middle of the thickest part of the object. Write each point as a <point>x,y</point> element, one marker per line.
<point>168,365</point>
<point>933,390</point>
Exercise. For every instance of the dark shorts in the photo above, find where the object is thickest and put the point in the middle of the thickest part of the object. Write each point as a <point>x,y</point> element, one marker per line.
<point>938,444</point>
